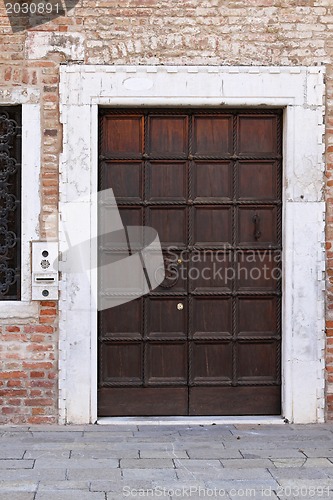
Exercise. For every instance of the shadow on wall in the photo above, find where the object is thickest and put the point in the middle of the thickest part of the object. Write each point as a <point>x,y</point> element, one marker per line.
<point>26,15</point>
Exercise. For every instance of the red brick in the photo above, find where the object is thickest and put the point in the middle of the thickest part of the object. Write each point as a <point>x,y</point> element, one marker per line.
<point>37,374</point>
<point>42,383</point>
<point>13,393</point>
<point>13,329</point>
<point>13,402</point>
<point>8,74</point>
<point>39,347</point>
<point>14,336</point>
<point>37,411</point>
<point>41,420</point>
<point>48,312</point>
<point>14,374</point>
<point>47,319</point>
<point>14,383</point>
<point>10,410</point>
<point>44,329</point>
<point>37,365</point>
<point>38,402</point>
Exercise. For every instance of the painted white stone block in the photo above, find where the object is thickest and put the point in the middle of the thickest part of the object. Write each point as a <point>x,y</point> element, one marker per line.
<point>39,44</point>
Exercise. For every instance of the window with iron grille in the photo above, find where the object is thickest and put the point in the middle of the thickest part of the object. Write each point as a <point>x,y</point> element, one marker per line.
<point>10,202</point>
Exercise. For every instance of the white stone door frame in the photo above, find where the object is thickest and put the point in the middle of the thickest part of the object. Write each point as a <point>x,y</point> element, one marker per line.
<point>300,92</point>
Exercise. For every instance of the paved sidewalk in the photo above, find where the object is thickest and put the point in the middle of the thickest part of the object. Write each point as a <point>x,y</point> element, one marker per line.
<point>168,462</point>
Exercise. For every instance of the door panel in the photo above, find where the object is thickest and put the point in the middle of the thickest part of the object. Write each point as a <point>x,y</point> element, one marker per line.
<point>212,317</point>
<point>170,223</point>
<point>212,180</point>
<point>257,135</point>
<point>211,362</point>
<point>162,320</point>
<point>144,401</point>
<point>212,135</point>
<point>122,136</point>
<point>239,400</point>
<point>257,226</point>
<point>168,135</point>
<point>167,363</point>
<point>167,181</point>
<point>212,225</point>
<point>207,341</point>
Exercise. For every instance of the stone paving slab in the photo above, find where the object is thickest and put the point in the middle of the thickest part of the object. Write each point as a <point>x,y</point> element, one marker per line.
<point>76,463</point>
<point>17,437</point>
<point>112,428</point>
<point>16,464</point>
<point>269,453</point>
<point>163,454</point>
<point>179,485</point>
<point>106,436</point>
<point>213,452</point>
<point>306,497</point>
<point>17,495</point>
<point>253,494</point>
<point>211,473</point>
<point>194,464</point>
<point>19,485</point>
<point>306,462</point>
<point>61,428</point>
<point>298,473</point>
<point>245,463</point>
<point>127,485</point>
<point>141,438</point>
<point>149,474</point>
<point>115,486</point>
<point>147,463</point>
<point>52,446</point>
<point>63,485</point>
<point>244,488</point>
<point>31,475</point>
<point>57,436</point>
<point>115,496</point>
<point>93,473</point>
<point>44,454</point>
<point>177,445</point>
<point>8,452</point>
<point>201,432</point>
<point>317,452</point>
<point>69,495</point>
<point>290,486</point>
<point>102,453</point>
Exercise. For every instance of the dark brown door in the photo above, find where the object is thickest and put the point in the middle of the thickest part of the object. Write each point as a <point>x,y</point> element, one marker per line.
<point>207,341</point>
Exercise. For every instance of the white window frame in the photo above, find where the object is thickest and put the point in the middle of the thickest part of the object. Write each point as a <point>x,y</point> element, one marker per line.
<point>299,91</point>
<point>24,309</point>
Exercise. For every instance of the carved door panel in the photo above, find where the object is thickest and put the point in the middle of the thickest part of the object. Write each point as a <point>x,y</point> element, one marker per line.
<point>207,340</point>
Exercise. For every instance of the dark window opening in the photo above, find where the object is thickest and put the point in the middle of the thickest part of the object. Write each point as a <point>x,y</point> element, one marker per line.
<point>10,202</point>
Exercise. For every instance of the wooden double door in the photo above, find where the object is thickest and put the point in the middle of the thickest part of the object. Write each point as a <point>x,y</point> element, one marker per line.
<point>207,340</point>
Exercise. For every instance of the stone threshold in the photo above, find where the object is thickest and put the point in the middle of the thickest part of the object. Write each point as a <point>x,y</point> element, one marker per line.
<point>234,420</point>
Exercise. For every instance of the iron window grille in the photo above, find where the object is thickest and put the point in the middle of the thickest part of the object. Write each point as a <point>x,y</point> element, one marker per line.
<point>10,202</point>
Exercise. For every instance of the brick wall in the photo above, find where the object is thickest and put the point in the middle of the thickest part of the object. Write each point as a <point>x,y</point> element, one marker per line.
<point>28,377</point>
<point>231,32</point>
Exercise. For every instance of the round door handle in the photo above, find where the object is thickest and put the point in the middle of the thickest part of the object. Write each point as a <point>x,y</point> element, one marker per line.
<point>180,306</point>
